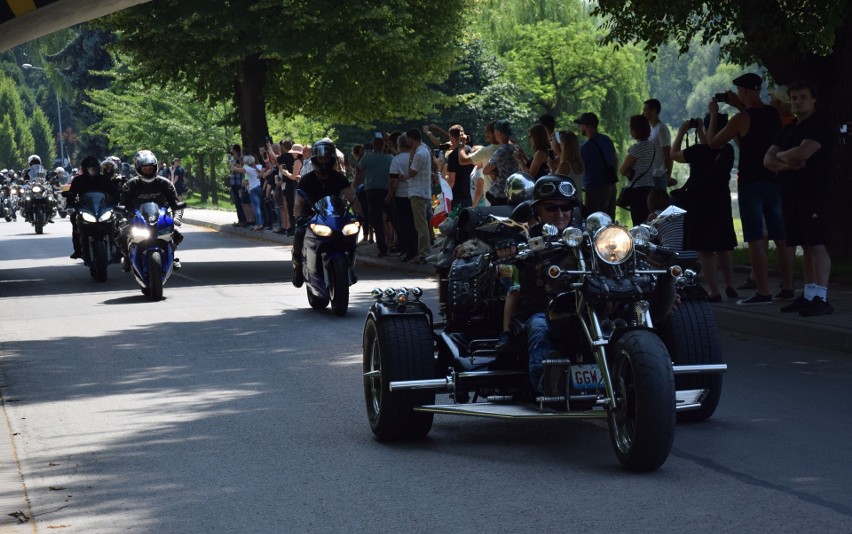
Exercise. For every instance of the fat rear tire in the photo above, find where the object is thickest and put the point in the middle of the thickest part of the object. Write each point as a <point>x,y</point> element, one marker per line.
<point>642,423</point>
<point>692,337</point>
<point>339,290</point>
<point>399,348</point>
<point>155,276</point>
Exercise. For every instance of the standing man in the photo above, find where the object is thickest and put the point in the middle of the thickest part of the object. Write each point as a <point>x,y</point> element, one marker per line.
<point>374,171</point>
<point>600,160</point>
<point>420,191</point>
<point>501,165</point>
<point>178,177</point>
<point>759,194</point>
<point>235,181</point>
<point>458,174</point>
<point>662,139</point>
<point>801,155</point>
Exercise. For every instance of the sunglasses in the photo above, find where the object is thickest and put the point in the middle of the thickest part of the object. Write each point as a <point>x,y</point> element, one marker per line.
<point>558,207</point>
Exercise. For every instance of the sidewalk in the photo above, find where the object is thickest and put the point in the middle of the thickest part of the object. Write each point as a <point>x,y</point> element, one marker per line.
<point>832,332</point>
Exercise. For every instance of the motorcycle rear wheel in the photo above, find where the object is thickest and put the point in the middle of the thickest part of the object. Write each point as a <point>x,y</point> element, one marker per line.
<point>642,423</point>
<point>155,276</point>
<point>339,290</point>
<point>398,348</point>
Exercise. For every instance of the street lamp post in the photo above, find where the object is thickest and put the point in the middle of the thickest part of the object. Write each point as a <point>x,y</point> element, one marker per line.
<point>27,66</point>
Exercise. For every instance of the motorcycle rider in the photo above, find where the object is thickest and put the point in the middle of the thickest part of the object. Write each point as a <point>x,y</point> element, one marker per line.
<point>89,179</point>
<point>321,182</point>
<point>147,187</point>
<point>556,202</point>
<point>32,161</point>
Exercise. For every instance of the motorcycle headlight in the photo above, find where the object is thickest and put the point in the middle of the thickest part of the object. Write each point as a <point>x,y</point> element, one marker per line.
<point>613,244</point>
<point>36,189</point>
<point>641,235</point>
<point>107,215</point>
<point>140,232</point>
<point>572,236</point>
<point>88,217</point>
<point>321,230</point>
<point>351,228</point>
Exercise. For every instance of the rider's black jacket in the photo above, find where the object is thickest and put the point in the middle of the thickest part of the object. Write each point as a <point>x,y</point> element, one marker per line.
<point>84,183</point>
<point>160,190</point>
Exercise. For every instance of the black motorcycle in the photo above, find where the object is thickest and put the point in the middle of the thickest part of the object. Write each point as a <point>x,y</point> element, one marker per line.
<point>96,222</point>
<point>9,202</point>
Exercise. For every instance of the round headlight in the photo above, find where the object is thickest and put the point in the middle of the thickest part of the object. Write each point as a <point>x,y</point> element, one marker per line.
<point>596,221</point>
<point>572,236</point>
<point>613,244</point>
<point>36,189</point>
<point>641,235</point>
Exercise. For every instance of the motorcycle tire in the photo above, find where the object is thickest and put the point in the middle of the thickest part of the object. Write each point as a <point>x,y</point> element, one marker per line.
<point>398,347</point>
<point>8,219</point>
<point>99,261</point>
<point>155,276</point>
<point>642,424</point>
<point>692,338</point>
<point>63,214</point>
<point>317,303</point>
<point>39,228</point>
<point>339,290</point>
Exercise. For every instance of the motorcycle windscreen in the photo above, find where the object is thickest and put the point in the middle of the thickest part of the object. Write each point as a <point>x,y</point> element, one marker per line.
<point>36,171</point>
<point>93,202</point>
<point>330,205</point>
<point>150,211</point>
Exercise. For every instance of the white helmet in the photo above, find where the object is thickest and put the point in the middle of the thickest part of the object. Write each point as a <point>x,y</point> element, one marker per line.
<point>145,158</point>
<point>33,160</point>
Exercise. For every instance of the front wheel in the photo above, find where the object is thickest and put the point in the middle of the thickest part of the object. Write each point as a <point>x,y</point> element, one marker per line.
<point>155,276</point>
<point>642,423</point>
<point>398,347</point>
<point>99,261</point>
<point>317,303</point>
<point>39,228</point>
<point>339,290</point>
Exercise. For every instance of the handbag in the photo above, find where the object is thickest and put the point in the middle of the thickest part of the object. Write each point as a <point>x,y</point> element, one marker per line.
<point>624,197</point>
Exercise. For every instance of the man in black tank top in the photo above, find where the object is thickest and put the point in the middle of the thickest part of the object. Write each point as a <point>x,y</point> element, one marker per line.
<point>759,196</point>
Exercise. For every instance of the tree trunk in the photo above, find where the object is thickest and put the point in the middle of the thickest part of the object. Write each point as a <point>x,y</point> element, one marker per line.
<point>214,179</point>
<point>250,101</point>
<point>201,178</point>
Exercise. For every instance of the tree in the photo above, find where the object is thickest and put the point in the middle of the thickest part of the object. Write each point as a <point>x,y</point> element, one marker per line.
<point>793,39</point>
<point>8,150</point>
<point>43,136</point>
<point>338,61</point>
<point>11,104</point>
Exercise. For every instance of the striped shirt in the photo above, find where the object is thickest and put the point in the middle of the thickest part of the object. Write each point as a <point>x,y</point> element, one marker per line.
<point>644,152</point>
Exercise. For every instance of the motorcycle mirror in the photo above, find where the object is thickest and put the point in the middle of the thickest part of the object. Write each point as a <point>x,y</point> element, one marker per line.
<point>549,230</point>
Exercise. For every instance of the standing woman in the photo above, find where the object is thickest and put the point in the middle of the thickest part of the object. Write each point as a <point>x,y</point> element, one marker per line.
<point>709,222</point>
<point>570,161</point>
<point>536,166</point>
<point>254,190</point>
<point>637,168</point>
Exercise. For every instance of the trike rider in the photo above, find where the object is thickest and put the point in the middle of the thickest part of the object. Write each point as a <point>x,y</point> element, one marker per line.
<point>321,182</point>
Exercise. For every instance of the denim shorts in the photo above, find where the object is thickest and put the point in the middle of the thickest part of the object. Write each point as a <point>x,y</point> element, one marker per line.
<point>760,202</point>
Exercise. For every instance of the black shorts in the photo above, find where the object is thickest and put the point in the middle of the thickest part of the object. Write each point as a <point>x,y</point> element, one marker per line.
<point>806,220</point>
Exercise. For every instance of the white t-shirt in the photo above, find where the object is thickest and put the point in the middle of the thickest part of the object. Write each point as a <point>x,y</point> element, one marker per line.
<point>251,174</point>
<point>661,137</point>
<point>483,154</point>
<point>399,165</point>
<point>420,185</point>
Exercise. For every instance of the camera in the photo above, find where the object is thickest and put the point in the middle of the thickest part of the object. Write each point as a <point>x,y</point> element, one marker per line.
<point>721,98</point>
<point>693,123</point>
<point>437,153</point>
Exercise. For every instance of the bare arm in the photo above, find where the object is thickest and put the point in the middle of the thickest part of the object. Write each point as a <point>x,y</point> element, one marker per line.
<point>627,166</point>
<point>677,153</point>
<point>349,195</point>
<point>798,155</point>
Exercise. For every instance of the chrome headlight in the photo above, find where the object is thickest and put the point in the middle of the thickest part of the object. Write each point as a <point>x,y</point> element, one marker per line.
<point>107,215</point>
<point>572,236</point>
<point>88,217</point>
<point>140,232</point>
<point>351,228</point>
<point>596,221</point>
<point>549,230</point>
<point>613,244</point>
<point>321,230</point>
<point>641,235</point>
<point>37,189</point>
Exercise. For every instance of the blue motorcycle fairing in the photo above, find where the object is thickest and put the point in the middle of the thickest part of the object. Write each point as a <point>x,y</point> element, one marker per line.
<point>319,251</point>
<point>159,221</point>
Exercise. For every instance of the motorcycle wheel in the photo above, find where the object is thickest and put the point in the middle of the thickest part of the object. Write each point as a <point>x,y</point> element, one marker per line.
<point>398,348</point>
<point>642,423</point>
<point>339,290</point>
<point>155,276</point>
<point>99,267</point>
<point>8,219</point>
<point>63,213</point>
<point>692,338</point>
<point>39,228</point>
<point>317,303</point>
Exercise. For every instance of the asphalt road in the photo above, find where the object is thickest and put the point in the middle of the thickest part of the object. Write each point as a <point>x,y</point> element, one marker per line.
<point>232,407</point>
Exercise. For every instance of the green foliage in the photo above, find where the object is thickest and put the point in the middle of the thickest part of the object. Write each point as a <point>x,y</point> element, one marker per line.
<point>8,150</point>
<point>299,128</point>
<point>12,105</point>
<point>43,135</point>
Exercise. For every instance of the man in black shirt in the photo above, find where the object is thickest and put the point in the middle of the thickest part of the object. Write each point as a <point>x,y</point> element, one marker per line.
<point>88,180</point>
<point>758,192</point>
<point>801,155</point>
<point>458,174</point>
<point>321,182</point>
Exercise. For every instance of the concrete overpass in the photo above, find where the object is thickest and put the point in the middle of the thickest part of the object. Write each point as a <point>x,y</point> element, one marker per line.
<point>24,20</point>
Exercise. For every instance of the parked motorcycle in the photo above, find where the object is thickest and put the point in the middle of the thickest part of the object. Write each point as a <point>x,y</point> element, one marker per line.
<point>96,222</point>
<point>39,202</point>
<point>329,254</point>
<point>151,249</point>
<point>609,362</point>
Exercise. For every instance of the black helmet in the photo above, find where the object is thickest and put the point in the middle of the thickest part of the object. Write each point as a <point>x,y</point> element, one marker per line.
<point>555,187</point>
<point>108,168</point>
<point>90,166</point>
<point>322,148</point>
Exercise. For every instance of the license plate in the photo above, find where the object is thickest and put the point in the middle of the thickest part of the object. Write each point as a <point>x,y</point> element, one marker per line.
<point>586,377</point>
